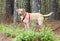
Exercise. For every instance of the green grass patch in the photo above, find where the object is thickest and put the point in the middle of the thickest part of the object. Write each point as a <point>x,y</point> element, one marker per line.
<point>16,34</point>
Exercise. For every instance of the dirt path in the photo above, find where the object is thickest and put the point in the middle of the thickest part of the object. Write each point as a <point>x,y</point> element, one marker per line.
<point>55,25</point>
<point>3,37</point>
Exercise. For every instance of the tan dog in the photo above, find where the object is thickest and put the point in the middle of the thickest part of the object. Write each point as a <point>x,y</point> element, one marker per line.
<point>27,17</point>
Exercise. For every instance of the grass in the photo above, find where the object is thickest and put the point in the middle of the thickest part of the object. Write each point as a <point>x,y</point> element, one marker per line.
<point>16,34</point>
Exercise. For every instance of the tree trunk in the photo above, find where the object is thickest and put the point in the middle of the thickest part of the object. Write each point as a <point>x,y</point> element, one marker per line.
<point>9,10</point>
<point>54,8</point>
<point>35,5</point>
<point>15,13</point>
<point>26,5</point>
<point>59,9</point>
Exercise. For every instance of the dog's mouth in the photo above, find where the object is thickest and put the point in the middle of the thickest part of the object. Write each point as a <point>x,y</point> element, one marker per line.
<point>19,14</point>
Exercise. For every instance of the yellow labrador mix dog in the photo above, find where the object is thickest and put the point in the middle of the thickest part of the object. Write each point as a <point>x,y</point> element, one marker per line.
<point>27,17</point>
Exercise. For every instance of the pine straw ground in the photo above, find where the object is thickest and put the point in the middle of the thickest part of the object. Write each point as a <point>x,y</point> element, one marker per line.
<point>54,24</point>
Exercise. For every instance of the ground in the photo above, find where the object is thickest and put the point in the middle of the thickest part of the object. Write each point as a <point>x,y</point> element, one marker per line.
<point>54,24</point>
<point>3,37</point>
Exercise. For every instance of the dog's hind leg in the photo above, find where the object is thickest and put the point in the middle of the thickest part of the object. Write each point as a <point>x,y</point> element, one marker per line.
<point>40,21</point>
<point>27,25</point>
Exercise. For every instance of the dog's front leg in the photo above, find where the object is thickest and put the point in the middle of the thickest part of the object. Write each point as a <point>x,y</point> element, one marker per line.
<point>26,23</point>
<point>25,26</point>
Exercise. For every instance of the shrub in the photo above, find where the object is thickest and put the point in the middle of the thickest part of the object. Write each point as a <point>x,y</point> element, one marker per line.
<point>46,34</point>
<point>25,35</point>
<point>29,35</point>
<point>57,38</point>
<point>8,30</point>
<point>16,34</point>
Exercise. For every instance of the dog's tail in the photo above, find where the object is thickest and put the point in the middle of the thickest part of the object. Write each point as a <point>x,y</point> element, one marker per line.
<point>48,14</point>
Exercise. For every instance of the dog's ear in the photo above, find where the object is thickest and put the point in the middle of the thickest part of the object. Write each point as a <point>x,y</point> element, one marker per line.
<point>17,9</point>
<point>23,10</point>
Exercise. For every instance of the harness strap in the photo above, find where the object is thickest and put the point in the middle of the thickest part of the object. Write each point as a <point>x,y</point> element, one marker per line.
<point>29,17</point>
<point>25,17</point>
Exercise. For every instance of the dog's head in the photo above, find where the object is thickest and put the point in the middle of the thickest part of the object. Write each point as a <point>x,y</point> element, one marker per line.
<point>20,11</point>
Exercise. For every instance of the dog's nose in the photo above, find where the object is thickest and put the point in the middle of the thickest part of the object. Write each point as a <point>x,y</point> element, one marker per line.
<point>19,14</point>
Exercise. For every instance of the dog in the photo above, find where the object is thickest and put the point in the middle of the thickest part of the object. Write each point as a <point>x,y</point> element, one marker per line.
<point>27,17</point>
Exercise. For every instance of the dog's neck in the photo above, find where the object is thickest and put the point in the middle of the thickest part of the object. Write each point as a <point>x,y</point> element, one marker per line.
<point>24,16</point>
<point>23,13</point>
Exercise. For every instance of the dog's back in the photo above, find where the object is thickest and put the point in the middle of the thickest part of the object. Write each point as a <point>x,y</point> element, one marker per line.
<point>35,16</point>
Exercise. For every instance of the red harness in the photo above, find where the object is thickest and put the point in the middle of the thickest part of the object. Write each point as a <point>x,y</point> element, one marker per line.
<point>25,17</point>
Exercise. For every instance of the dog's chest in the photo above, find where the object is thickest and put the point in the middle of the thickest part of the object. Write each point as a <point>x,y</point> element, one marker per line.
<point>26,18</point>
